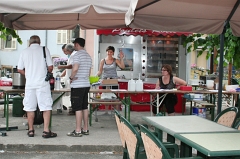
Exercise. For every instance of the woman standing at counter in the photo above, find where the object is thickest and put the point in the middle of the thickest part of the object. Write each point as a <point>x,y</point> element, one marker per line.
<point>168,81</point>
<point>108,66</point>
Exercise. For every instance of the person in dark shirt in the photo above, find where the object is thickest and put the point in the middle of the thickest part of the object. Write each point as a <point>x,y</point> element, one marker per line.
<point>168,81</point>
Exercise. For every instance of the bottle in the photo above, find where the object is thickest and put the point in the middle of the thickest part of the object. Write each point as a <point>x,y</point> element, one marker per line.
<point>7,74</point>
<point>139,84</point>
<point>51,81</point>
<point>98,95</point>
<point>58,82</point>
<point>131,84</point>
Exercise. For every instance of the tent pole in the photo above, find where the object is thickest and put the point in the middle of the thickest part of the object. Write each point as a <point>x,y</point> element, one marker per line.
<point>220,71</point>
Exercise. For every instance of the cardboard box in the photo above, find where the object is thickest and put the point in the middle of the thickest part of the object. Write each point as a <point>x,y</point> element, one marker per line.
<point>185,88</point>
<point>199,111</point>
<point>110,81</point>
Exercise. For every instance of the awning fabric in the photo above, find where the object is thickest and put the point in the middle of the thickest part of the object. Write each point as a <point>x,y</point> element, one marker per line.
<point>62,14</point>
<point>141,32</point>
<point>197,16</point>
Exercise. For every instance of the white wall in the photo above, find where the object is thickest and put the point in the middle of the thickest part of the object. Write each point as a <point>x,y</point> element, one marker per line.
<point>48,38</point>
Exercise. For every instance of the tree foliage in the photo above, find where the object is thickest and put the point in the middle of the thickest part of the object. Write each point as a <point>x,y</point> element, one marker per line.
<point>5,32</point>
<point>203,42</point>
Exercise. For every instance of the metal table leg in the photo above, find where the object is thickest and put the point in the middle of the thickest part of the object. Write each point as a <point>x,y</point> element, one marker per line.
<point>6,114</point>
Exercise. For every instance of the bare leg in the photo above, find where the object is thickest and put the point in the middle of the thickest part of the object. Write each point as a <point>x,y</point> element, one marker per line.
<point>46,117</point>
<point>30,117</point>
<point>79,116</point>
<point>85,119</point>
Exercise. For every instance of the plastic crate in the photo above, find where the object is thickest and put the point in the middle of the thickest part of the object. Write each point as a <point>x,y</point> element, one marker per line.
<point>199,111</point>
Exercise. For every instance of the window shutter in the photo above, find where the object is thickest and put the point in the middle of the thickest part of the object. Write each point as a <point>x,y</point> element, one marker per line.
<point>59,37</point>
<point>62,36</point>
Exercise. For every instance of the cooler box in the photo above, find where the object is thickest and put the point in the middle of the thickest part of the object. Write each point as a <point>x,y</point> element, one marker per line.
<point>17,107</point>
<point>179,105</point>
<point>185,88</point>
<point>199,111</point>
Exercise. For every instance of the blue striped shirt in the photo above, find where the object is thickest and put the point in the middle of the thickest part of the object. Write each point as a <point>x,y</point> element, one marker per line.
<point>85,63</point>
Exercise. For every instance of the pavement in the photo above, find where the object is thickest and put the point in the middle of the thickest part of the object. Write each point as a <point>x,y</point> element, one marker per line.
<point>103,136</point>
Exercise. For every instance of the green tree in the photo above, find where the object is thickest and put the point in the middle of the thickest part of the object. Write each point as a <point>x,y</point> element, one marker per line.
<point>204,42</point>
<point>5,32</point>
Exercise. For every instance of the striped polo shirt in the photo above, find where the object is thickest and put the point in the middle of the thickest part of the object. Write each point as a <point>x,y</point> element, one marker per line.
<point>84,60</point>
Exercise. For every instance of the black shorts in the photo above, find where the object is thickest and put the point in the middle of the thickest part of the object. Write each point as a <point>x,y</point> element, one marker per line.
<point>79,98</point>
<point>169,101</point>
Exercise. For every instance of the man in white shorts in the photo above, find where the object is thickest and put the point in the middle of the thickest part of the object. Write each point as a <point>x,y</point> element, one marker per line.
<point>34,66</point>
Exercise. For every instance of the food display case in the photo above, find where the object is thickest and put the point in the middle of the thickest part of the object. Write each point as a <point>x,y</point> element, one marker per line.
<point>161,50</point>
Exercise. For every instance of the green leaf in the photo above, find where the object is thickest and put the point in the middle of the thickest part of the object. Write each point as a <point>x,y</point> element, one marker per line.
<point>7,31</point>
<point>231,46</point>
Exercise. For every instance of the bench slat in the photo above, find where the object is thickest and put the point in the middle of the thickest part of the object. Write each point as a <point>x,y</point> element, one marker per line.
<point>106,103</point>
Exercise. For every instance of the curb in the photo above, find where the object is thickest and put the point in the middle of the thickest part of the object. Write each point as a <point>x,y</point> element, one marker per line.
<point>68,148</point>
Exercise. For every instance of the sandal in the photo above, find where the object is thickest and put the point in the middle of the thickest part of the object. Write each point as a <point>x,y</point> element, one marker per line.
<point>49,134</point>
<point>30,133</point>
<point>85,132</point>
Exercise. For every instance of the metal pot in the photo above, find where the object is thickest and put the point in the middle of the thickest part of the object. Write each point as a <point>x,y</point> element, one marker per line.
<point>18,81</point>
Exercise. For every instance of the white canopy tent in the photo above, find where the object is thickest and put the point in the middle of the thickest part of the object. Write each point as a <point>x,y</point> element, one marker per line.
<point>63,14</point>
<point>197,16</point>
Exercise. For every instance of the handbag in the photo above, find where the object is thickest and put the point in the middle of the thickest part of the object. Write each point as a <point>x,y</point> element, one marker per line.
<point>38,118</point>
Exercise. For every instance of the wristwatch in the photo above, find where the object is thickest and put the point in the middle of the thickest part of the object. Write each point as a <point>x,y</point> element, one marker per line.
<point>70,78</point>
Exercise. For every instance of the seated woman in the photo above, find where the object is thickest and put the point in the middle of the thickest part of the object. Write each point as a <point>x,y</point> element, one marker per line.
<point>168,81</point>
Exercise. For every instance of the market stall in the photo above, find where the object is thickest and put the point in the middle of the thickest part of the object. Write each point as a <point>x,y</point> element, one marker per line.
<point>146,51</point>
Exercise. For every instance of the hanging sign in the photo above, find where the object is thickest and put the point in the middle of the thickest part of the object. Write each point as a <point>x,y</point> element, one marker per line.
<point>135,32</point>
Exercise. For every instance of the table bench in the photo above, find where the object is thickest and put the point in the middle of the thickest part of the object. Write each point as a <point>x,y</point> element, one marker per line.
<point>114,102</point>
<point>2,101</point>
<point>94,105</point>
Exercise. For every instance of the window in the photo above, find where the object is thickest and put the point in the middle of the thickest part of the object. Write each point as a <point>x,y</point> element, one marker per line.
<point>9,44</point>
<point>62,36</point>
<point>75,33</point>
<point>67,36</point>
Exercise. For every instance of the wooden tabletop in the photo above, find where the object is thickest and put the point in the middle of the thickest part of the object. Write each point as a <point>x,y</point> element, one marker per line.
<point>10,90</point>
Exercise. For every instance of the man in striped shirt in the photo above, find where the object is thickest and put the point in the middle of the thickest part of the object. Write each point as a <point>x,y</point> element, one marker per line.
<point>80,85</point>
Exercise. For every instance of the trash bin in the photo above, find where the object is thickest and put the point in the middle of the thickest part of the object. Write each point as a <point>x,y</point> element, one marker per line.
<point>17,107</point>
